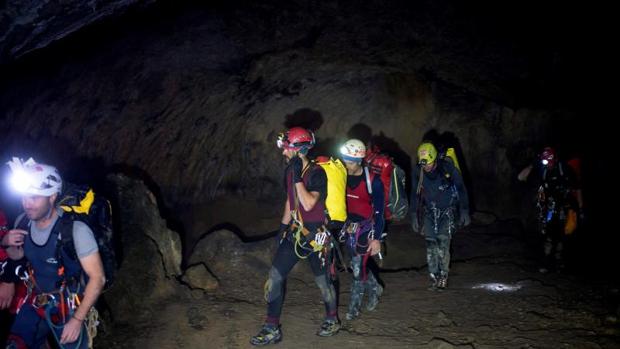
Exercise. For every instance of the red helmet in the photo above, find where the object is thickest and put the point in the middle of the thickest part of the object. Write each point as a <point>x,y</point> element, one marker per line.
<point>296,138</point>
<point>548,157</point>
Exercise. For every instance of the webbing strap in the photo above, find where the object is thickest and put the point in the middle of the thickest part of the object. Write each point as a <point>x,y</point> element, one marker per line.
<point>364,265</point>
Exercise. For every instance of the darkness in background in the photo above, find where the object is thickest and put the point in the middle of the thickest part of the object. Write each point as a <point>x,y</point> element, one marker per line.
<point>561,39</point>
<point>559,42</point>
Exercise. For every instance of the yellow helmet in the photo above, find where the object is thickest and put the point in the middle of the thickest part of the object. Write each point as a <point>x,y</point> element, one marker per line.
<point>427,153</point>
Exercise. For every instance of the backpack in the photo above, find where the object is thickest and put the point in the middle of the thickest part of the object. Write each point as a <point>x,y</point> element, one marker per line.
<point>450,156</point>
<point>335,202</point>
<point>80,203</point>
<point>394,181</point>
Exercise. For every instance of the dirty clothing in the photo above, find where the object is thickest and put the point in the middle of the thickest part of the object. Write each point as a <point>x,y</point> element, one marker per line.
<point>365,222</point>
<point>438,227</point>
<point>435,212</point>
<point>283,262</point>
<point>290,251</point>
<point>443,186</point>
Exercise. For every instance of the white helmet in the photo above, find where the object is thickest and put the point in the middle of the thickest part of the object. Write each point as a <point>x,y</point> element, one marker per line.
<point>31,178</point>
<point>353,150</point>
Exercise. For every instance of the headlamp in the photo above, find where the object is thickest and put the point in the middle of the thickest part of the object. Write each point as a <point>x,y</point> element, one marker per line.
<point>20,181</point>
<point>281,142</point>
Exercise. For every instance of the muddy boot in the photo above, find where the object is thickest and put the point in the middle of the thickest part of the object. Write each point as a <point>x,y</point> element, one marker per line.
<point>329,328</point>
<point>373,297</point>
<point>442,282</point>
<point>269,334</point>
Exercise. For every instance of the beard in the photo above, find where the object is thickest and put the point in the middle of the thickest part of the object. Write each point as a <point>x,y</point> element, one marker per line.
<point>37,214</point>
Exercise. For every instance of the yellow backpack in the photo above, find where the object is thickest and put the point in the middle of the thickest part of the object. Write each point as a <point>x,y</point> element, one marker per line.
<point>571,222</point>
<point>336,201</point>
<point>451,154</point>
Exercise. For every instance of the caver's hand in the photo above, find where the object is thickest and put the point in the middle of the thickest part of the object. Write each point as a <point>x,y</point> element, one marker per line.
<point>296,168</point>
<point>374,247</point>
<point>14,237</point>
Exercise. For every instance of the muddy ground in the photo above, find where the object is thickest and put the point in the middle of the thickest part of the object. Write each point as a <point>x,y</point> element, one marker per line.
<point>496,298</point>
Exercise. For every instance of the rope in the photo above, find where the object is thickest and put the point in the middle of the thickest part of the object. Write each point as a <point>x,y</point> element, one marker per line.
<point>364,266</point>
<point>298,220</point>
<point>419,216</point>
<point>48,319</point>
<point>395,181</point>
<point>92,321</point>
<point>297,242</point>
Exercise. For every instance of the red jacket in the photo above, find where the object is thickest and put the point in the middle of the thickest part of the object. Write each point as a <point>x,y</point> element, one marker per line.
<point>3,231</point>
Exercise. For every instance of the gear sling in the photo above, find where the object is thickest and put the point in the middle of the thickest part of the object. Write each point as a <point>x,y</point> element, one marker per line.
<point>55,292</point>
<point>302,236</point>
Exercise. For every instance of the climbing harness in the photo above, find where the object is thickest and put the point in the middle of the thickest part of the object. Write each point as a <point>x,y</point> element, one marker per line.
<point>57,306</point>
<point>353,231</point>
<point>301,242</point>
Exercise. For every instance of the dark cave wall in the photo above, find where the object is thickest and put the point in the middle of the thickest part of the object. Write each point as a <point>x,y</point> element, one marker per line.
<point>26,25</point>
<point>194,102</point>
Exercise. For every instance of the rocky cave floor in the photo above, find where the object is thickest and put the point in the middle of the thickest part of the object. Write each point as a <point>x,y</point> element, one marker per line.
<point>496,299</point>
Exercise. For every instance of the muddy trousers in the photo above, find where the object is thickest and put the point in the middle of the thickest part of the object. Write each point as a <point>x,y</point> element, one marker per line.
<point>30,330</point>
<point>359,286</point>
<point>438,229</point>
<point>283,262</point>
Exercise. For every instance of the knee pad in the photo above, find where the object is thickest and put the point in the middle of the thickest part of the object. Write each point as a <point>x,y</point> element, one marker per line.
<point>356,266</point>
<point>273,285</point>
<point>325,287</point>
<point>356,271</point>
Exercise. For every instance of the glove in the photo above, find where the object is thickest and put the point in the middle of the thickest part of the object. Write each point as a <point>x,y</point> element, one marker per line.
<point>9,269</point>
<point>283,228</point>
<point>334,226</point>
<point>464,219</point>
<point>296,166</point>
